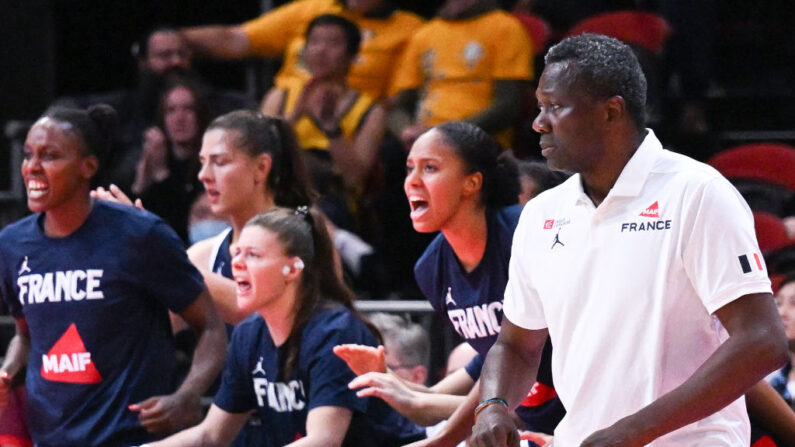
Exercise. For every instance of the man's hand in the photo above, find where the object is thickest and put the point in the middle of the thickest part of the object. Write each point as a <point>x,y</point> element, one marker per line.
<point>494,427</point>
<point>362,359</point>
<point>168,414</point>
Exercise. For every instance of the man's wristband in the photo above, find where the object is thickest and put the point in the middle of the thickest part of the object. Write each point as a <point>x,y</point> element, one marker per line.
<point>489,402</point>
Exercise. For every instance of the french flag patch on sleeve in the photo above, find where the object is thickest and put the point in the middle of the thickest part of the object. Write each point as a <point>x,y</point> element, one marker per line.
<point>750,262</point>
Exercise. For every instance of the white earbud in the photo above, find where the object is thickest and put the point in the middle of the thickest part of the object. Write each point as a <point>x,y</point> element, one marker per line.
<point>298,265</point>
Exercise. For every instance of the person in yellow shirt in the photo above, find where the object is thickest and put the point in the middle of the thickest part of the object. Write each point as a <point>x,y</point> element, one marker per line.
<point>339,127</point>
<point>332,120</point>
<point>469,63</point>
<point>280,32</point>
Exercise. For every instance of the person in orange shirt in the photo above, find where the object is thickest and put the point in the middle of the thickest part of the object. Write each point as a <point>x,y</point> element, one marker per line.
<point>469,63</point>
<point>332,120</point>
<point>280,32</point>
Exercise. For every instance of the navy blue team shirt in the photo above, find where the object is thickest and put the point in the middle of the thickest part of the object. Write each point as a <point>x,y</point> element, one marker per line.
<point>472,302</point>
<point>253,379</point>
<point>96,304</point>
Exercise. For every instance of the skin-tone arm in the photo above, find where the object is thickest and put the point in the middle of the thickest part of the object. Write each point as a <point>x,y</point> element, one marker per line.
<point>272,102</point>
<point>401,117</point>
<point>166,414</point>
<point>218,428</point>
<point>222,289</point>
<point>218,41</point>
<point>423,408</point>
<point>504,108</point>
<point>325,427</point>
<point>363,359</point>
<point>15,359</point>
<point>509,371</point>
<point>153,165</point>
<point>771,412</point>
<point>756,346</point>
<point>355,156</point>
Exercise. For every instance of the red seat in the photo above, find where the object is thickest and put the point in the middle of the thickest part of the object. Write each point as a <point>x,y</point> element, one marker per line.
<point>767,162</point>
<point>537,28</point>
<point>645,29</point>
<point>770,232</point>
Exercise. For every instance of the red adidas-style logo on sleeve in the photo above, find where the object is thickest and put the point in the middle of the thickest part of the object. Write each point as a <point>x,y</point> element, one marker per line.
<point>69,361</point>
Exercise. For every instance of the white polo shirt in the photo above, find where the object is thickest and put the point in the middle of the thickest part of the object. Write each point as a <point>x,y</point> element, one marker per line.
<point>628,289</point>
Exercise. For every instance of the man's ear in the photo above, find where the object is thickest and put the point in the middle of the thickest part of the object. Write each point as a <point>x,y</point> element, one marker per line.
<point>616,108</point>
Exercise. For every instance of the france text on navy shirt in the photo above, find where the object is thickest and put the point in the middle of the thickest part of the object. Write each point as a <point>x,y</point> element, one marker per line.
<point>252,379</point>
<point>472,301</point>
<point>96,303</point>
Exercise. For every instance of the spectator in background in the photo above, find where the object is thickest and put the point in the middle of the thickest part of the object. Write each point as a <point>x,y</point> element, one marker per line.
<point>407,346</point>
<point>162,55</point>
<point>470,63</point>
<point>340,127</point>
<point>783,380</point>
<point>281,32</point>
<point>770,403</point>
<point>166,175</point>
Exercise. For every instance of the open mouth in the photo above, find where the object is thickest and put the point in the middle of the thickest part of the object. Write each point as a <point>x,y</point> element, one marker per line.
<point>418,206</point>
<point>243,286</point>
<point>36,189</point>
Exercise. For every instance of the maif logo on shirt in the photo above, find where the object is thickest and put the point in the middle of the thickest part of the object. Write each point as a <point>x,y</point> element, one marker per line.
<point>68,360</point>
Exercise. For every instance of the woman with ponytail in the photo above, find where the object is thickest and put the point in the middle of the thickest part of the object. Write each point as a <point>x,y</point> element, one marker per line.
<point>90,284</point>
<point>459,182</point>
<point>280,360</point>
<point>250,164</point>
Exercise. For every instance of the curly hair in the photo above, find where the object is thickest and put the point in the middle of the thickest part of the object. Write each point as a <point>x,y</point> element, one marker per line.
<point>603,67</point>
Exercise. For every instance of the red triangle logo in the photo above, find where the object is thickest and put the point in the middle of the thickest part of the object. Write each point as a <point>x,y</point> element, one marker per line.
<point>69,361</point>
<point>652,211</point>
